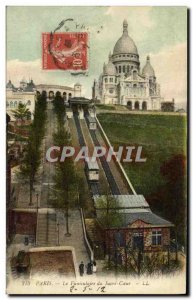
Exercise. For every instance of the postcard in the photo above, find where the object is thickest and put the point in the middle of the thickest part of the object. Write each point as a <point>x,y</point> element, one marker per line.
<point>96,172</point>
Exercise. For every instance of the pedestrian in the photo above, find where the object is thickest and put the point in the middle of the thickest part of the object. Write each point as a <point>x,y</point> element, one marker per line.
<point>94,268</point>
<point>81,268</point>
<point>89,268</point>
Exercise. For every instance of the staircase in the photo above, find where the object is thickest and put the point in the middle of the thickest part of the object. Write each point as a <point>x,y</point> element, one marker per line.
<point>46,229</point>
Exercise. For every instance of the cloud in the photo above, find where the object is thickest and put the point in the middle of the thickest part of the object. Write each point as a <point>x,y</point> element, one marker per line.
<point>129,13</point>
<point>170,66</point>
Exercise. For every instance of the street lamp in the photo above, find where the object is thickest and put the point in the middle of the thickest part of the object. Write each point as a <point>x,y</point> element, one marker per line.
<point>58,230</point>
<point>37,201</point>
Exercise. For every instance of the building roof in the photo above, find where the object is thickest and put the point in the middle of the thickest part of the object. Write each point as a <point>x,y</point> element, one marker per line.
<point>148,69</point>
<point>132,208</point>
<point>125,44</point>
<point>80,100</point>
<point>54,86</point>
<point>93,165</point>
<point>91,119</point>
<point>30,86</point>
<point>127,201</point>
<point>147,217</point>
<point>10,85</point>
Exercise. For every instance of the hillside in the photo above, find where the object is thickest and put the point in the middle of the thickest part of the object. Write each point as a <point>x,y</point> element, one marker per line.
<point>161,179</point>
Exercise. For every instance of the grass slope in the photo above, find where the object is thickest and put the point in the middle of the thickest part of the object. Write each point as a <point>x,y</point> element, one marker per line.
<point>160,136</point>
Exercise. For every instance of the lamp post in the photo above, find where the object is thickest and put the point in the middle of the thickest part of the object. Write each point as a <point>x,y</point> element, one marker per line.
<point>58,230</point>
<point>37,201</point>
<point>37,206</point>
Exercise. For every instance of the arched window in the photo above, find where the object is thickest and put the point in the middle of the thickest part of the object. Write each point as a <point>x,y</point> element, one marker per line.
<point>144,105</point>
<point>69,95</point>
<point>11,104</point>
<point>15,104</point>
<point>51,94</point>
<point>64,95</point>
<point>134,88</point>
<point>29,116</point>
<point>119,69</point>
<point>28,102</point>
<point>134,74</point>
<point>137,105</point>
<point>129,105</point>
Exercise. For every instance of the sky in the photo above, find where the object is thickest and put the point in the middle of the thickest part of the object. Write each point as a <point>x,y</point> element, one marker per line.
<point>160,32</point>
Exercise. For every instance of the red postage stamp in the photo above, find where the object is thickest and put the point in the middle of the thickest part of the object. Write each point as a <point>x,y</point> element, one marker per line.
<point>65,51</point>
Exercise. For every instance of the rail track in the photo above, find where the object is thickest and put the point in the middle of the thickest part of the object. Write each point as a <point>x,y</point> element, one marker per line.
<point>93,185</point>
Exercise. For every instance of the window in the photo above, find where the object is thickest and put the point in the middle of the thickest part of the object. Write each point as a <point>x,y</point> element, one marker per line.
<point>106,80</point>
<point>127,69</point>
<point>123,69</point>
<point>111,91</point>
<point>119,69</point>
<point>111,79</point>
<point>28,102</point>
<point>156,237</point>
<point>11,104</point>
<point>123,55</point>
<point>15,104</point>
<point>64,95</point>
<point>7,104</point>
<point>138,240</point>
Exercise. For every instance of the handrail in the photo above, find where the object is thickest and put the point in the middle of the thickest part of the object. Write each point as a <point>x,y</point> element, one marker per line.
<point>118,162</point>
<point>85,236</point>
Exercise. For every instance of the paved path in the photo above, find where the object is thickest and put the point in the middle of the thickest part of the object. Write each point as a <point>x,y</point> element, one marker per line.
<point>76,239</point>
<point>48,168</point>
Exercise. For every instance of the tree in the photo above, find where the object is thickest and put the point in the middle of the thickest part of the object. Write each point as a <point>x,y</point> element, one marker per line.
<point>109,216</point>
<point>22,112</point>
<point>31,161</point>
<point>65,177</point>
<point>170,199</point>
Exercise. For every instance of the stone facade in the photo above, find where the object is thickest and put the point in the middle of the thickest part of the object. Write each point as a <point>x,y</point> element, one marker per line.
<point>122,82</point>
<point>146,232</point>
<point>26,94</point>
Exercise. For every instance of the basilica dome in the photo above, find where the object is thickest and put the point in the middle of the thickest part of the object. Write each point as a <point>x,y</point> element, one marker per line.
<point>125,44</point>
<point>148,69</point>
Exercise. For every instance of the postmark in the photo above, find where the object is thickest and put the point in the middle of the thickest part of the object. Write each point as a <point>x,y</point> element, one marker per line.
<point>65,51</point>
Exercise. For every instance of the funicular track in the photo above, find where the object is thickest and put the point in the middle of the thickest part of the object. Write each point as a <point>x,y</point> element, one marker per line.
<point>94,185</point>
<point>111,180</point>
